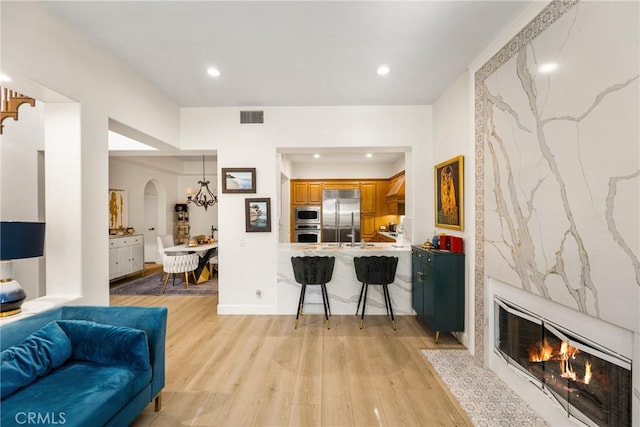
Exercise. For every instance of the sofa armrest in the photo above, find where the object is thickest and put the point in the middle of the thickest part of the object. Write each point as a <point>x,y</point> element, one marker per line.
<point>152,320</point>
<point>107,344</point>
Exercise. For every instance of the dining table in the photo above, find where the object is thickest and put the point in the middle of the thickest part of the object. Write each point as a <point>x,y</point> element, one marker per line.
<point>205,251</point>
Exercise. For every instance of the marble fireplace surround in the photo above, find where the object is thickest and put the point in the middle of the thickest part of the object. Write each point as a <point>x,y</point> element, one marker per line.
<point>555,219</point>
<point>618,341</point>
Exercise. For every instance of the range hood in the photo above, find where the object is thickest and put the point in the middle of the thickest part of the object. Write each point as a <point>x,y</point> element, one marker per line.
<point>395,195</point>
<point>396,190</point>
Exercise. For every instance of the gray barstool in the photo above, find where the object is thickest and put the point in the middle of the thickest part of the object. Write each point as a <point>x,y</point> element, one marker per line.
<point>313,270</point>
<point>375,270</point>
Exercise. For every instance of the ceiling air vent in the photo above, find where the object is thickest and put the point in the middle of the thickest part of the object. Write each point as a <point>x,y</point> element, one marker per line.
<point>249,117</point>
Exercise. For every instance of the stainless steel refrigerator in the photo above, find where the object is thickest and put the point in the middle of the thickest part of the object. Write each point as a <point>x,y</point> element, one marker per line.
<point>340,215</point>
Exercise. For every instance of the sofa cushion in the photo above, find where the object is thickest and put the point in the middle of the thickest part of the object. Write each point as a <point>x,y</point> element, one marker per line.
<point>107,344</point>
<point>39,353</point>
<point>77,393</point>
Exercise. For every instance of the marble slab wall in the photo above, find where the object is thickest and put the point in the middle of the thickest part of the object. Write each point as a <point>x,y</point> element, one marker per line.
<point>558,162</point>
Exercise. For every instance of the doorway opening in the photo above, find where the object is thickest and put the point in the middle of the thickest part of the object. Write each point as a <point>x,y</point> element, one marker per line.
<point>151,208</point>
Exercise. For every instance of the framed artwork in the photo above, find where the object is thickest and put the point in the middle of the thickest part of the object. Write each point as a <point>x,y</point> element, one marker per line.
<point>118,215</point>
<point>449,193</point>
<point>258,215</point>
<point>238,180</point>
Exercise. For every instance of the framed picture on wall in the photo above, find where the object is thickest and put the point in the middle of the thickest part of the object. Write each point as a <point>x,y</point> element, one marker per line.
<point>118,215</point>
<point>449,193</point>
<point>258,215</point>
<point>238,180</point>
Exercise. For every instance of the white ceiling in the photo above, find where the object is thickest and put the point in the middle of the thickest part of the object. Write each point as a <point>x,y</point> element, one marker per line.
<point>292,53</point>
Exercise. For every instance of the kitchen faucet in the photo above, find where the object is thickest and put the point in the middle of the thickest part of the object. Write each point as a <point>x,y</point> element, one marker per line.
<point>353,233</point>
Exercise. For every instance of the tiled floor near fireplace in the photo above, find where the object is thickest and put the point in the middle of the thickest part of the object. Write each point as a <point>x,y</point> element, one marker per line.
<point>486,399</point>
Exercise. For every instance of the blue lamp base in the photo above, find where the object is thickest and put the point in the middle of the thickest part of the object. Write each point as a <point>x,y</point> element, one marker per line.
<point>11,293</point>
<point>11,298</point>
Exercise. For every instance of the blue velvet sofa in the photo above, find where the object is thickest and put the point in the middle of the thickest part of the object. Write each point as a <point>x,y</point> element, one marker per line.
<point>82,365</point>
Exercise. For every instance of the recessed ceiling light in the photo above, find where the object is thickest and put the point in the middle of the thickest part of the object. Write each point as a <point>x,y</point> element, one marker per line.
<point>383,70</point>
<point>213,72</point>
<point>369,155</point>
<point>316,156</point>
<point>547,68</point>
<point>4,78</point>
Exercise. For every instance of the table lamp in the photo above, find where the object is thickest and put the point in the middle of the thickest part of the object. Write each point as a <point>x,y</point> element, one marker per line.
<point>17,240</point>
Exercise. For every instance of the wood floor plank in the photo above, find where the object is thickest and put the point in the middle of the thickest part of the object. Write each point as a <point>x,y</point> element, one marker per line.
<point>305,415</point>
<point>308,385</point>
<point>336,408</point>
<point>367,406</point>
<point>260,371</point>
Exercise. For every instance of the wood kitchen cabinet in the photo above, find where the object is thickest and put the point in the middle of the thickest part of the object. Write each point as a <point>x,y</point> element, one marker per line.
<point>368,197</point>
<point>306,193</point>
<point>368,210</point>
<point>299,193</point>
<point>368,227</point>
<point>314,193</point>
<point>340,185</point>
<point>374,206</point>
<point>437,289</point>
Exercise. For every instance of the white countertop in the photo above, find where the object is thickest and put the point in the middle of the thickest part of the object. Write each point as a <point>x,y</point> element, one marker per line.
<point>186,248</point>
<point>332,247</point>
<point>388,234</point>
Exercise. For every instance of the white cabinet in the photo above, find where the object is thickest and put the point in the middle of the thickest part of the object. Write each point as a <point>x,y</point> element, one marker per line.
<point>125,255</point>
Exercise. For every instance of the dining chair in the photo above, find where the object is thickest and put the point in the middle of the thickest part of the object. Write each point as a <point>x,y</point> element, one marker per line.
<point>177,264</point>
<point>165,241</point>
<point>213,264</point>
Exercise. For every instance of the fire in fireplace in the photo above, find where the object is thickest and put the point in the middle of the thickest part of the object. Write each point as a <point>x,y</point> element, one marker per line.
<point>592,383</point>
<point>567,357</point>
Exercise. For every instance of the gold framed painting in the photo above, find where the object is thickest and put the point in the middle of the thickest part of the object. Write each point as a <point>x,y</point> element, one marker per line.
<point>449,193</point>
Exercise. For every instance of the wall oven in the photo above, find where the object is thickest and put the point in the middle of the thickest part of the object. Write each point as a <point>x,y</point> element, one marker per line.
<point>307,215</point>
<point>307,233</point>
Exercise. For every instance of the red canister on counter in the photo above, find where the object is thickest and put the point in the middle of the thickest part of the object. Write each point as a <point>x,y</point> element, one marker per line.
<point>456,245</point>
<point>451,243</point>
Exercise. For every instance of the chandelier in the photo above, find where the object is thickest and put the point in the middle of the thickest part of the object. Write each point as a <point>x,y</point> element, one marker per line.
<point>204,197</point>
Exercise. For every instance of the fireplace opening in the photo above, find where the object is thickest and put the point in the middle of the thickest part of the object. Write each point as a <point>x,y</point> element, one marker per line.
<point>592,383</point>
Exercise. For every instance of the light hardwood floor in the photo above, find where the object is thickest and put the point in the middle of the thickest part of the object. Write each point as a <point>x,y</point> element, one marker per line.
<point>260,371</point>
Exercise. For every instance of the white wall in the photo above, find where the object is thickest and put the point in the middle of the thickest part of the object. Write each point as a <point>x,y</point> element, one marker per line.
<point>127,174</point>
<point>37,47</point>
<point>453,136</point>
<point>20,200</point>
<point>286,127</point>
